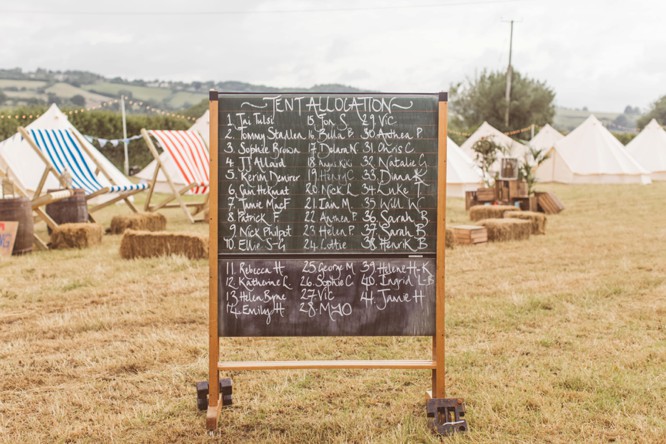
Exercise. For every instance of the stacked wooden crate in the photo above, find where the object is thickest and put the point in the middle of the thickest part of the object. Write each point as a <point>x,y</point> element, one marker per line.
<point>469,234</point>
<point>549,203</point>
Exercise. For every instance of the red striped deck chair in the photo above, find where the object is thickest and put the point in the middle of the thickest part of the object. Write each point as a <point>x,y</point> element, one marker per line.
<point>189,154</point>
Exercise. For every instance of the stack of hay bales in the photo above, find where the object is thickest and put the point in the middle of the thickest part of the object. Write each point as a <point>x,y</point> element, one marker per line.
<point>500,230</point>
<point>139,221</point>
<point>537,220</point>
<point>79,235</point>
<point>138,244</point>
<point>480,212</point>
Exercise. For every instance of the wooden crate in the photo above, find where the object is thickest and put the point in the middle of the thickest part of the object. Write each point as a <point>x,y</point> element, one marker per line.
<point>527,203</point>
<point>486,194</point>
<point>469,234</point>
<point>517,188</point>
<point>470,199</point>
<point>549,203</point>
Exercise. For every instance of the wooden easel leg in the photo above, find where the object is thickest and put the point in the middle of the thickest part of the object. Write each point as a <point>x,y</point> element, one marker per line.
<point>213,414</point>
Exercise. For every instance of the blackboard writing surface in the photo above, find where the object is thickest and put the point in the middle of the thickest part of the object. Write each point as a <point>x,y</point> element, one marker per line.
<point>328,297</point>
<point>327,173</point>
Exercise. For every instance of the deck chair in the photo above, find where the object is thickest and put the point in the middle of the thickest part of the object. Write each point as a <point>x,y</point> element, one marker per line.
<point>38,203</point>
<point>62,150</point>
<point>189,153</point>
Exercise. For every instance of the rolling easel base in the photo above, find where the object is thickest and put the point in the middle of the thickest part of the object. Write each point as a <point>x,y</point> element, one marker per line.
<point>446,415</point>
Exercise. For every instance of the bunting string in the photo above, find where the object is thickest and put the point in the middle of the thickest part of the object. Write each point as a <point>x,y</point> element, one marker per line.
<point>103,105</point>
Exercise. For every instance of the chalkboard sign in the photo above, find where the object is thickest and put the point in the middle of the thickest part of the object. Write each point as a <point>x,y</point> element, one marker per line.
<point>327,173</point>
<point>343,184</point>
<point>327,218</point>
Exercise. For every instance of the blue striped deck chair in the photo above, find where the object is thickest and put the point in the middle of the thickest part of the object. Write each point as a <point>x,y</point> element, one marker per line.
<point>62,150</point>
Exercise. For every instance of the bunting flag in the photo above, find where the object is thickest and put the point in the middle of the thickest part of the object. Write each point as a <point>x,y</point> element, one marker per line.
<point>115,142</point>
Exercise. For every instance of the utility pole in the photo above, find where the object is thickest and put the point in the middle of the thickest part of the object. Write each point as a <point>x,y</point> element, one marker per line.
<point>509,74</point>
<point>122,111</point>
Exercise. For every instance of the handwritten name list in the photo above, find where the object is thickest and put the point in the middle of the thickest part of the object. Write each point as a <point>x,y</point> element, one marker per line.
<point>326,297</point>
<point>327,173</point>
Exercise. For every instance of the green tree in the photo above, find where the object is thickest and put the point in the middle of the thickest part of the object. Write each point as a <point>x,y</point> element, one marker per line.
<point>78,100</point>
<point>657,111</point>
<point>483,99</point>
<point>486,153</point>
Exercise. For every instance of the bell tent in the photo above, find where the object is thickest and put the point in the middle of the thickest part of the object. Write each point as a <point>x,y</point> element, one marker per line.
<point>461,173</point>
<point>514,149</point>
<point>591,154</point>
<point>649,150</point>
<point>546,138</point>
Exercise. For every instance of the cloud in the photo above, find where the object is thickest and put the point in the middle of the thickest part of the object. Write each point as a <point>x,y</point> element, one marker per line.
<point>600,54</point>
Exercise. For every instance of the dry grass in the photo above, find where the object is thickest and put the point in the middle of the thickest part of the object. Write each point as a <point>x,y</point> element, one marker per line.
<point>480,212</point>
<point>560,339</point>
<point>145,244</point>
<point>138,221</point>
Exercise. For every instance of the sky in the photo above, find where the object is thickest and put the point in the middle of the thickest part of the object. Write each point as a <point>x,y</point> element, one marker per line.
<point>599,54</point>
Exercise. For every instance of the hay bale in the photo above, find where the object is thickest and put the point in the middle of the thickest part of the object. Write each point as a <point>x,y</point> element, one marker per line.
<point>136,244</point>
<point>450,239</point>
<point>538,220</point>
<point>480,212</point>
<point>79,235</point>
<point>138,221</point>
<point>500,230</point>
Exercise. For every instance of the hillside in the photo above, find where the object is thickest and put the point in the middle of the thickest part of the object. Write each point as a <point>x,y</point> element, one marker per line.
<point>566,119</point>
<point>81,88</point>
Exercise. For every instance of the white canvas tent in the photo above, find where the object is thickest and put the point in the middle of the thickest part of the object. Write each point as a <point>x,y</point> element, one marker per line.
<point>649,150</point>
<point>591,154</point>
<point>161,186</point>
<point>461,174</point>
<point>546,138</point>
<point>26,168</point>
<point>515,149</point>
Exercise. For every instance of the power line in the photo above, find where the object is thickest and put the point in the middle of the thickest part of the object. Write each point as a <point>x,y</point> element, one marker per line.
<point>270,11</point>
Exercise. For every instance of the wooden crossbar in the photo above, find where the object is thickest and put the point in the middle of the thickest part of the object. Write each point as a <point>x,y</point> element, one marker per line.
<point>338,364</point>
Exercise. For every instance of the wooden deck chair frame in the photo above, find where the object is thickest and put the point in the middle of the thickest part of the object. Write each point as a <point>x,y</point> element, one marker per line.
<point>176,193</point>
<point>99,168</point>
<point>38,201</point>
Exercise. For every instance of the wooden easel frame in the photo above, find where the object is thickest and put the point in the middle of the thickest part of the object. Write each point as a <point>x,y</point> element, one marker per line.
<point>436,364</point>
<point>176,193</point>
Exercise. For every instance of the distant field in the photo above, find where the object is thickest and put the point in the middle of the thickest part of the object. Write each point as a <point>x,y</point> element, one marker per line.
<point>138,92</point>
<point>568,119</point>
<point>66,90</point>
<point>27,84</point>
<point>181,98</point>
<point>557,339</point>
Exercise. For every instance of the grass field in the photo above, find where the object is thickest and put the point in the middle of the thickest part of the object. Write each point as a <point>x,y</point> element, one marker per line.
<point>558,339</point>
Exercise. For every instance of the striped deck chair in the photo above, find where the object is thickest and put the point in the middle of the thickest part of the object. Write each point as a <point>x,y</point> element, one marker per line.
<point>61,150</point>
<point>191,160</point>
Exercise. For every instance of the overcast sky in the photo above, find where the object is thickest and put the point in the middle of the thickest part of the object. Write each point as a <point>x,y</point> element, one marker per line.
<point>603,54</point>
